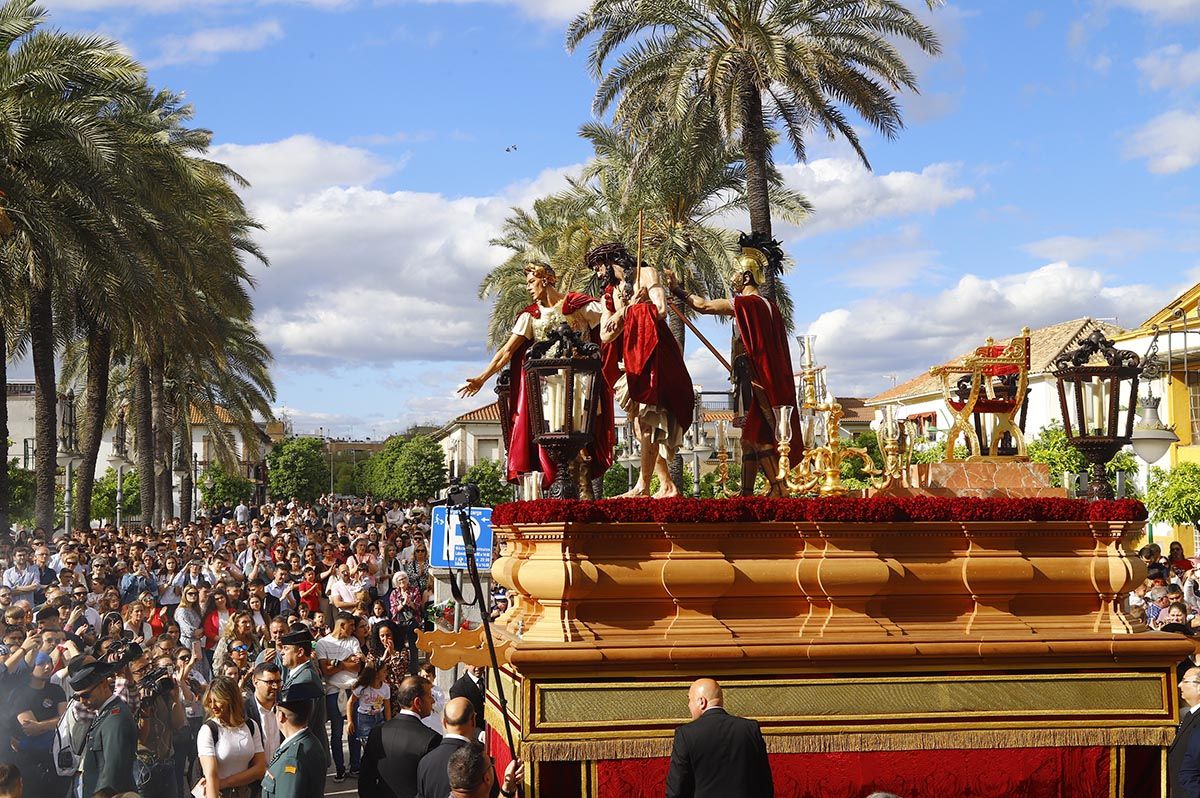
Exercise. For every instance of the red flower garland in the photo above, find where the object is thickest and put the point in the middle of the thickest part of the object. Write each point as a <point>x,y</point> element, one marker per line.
<point>877,509</point>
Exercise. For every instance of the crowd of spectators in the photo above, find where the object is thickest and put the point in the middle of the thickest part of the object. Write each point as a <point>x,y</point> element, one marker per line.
<point>188,622</point>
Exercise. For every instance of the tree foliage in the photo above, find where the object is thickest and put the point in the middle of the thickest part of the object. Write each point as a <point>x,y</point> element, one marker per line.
<point>420,470</point>
<point>227,488</point>
<point>104,496</point>
<point>296,468</point>
<point>489,476</point>
<point>1173,497</point>
<point>22,487</point>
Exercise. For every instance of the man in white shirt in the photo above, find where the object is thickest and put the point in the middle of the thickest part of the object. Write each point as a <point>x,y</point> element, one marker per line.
<point>241,514</point>
<point>23,578</point>
<point>284,589</point>
<point>260,705</point>
<point>340,658</point>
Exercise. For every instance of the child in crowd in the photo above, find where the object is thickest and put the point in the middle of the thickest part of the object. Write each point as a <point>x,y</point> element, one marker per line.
<point>370,702</point>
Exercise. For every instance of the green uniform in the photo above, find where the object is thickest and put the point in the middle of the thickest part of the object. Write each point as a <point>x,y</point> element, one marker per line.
<point>108,751</point>
<point>308,673</point>
<point>297,769</point>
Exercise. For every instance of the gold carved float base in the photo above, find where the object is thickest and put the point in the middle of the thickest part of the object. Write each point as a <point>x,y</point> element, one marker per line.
<point>834,636</point>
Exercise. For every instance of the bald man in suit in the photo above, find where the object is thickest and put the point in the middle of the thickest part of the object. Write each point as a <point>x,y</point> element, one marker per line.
<point>717,755</point>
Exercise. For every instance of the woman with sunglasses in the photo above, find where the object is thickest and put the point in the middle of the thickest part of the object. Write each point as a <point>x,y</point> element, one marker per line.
<point>239,630</point>
<point>189,617</point>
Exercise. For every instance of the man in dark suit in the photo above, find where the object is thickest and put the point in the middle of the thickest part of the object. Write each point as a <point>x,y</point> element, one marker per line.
<point>472,685</point>
<point>1183,764</point>
<point>717,755</point>
<point>433,779</point>
<point>394,749</point>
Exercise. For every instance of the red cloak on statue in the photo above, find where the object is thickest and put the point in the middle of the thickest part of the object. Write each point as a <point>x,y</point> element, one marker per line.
<point>523,454</point>
<point>654,367</point>
<point>764,337</point>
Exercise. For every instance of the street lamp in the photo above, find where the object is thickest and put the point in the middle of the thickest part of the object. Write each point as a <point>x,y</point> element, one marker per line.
<point>119,461</point>
<point>1151,437</point>
<point>698,440</point>
<point>66,451</point>
<point>564,407</point>
<point>1098,402</point>
<point>195,484</point>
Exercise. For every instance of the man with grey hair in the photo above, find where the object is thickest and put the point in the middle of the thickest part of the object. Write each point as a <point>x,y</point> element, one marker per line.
<point>1159,600</point>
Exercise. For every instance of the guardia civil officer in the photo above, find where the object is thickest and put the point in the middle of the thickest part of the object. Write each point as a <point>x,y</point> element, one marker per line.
<point>296,647</point>
<point>297,769</point>
<point>111,741</point>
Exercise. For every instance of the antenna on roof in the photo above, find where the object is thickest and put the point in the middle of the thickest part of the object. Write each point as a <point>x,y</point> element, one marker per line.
<point>894,378</point>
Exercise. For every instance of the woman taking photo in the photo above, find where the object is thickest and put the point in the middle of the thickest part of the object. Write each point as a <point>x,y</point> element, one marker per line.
<point>385,653</point>
<point>230,748</point>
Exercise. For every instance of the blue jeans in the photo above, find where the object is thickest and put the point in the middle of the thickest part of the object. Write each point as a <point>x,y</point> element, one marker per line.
<point>363,723</point>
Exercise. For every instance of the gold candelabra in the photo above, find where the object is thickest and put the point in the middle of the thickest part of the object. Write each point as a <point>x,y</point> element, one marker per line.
<point>722,486</point>
<point>896,440</point>
<point>820,467</point>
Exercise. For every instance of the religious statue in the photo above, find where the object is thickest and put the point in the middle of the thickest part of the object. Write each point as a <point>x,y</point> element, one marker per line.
<point>642,363</point>
<point>761,361</point>
<point>549,309</point>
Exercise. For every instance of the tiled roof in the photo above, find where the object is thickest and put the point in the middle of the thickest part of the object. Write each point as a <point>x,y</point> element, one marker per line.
<point>1046,344</point>
<point>855,410</point>
<point>223,415</point>
<point>487,413</point>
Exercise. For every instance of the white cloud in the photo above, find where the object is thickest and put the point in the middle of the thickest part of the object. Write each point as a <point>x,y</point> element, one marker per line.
<point>363,275</point>
<point>289,170</point>
<point>549,10</point>
<point>1163,10</point>
<point>844,193</point>
<point>172,6</point>
<point>1076,249</point>
<point>203,46</point>
<point>1169,143</point>
<point>907,333</point>
<point>1170,67</point>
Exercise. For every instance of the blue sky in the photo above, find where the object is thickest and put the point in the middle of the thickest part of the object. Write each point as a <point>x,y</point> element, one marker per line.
<point>1048,171</point>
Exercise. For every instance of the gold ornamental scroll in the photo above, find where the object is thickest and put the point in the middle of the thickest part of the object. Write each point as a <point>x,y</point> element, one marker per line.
<point>467,647</point>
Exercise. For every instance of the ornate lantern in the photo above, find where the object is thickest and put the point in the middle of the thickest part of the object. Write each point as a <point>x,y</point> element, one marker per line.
<point>1099,401</point>
<point>66,422</point>
<point>120,433</point>
<point>562,401</point>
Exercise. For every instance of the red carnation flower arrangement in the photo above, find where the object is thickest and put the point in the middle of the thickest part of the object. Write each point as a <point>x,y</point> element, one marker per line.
<point>876,509</point>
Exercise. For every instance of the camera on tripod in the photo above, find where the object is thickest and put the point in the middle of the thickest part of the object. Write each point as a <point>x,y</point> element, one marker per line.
<point>462,495</point>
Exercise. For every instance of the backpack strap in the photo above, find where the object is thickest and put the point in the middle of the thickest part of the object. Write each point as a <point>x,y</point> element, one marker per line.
<point>214,728</point>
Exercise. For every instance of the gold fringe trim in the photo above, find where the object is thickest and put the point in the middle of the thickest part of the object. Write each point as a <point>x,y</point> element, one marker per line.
<point>654,747</point>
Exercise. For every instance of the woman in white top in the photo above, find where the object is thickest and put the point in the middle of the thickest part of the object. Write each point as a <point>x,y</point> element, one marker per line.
<point>232,758</point>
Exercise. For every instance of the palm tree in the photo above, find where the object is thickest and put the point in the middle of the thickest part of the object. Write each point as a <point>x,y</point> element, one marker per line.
<point>685,183</point>
<point>56,148</point>
<point>759,63</point>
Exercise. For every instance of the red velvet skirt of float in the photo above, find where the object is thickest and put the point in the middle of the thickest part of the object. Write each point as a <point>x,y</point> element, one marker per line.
<point>994,773</point>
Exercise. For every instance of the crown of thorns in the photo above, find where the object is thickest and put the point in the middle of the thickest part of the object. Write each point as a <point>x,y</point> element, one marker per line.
<point>603,252</point>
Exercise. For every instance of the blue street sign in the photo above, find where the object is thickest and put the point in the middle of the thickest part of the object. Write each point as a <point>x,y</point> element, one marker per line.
<point>446,548</point>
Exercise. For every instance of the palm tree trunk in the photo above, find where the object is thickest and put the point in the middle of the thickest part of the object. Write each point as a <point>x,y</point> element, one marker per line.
<point>95,411</point>
<point>756,150</point>
<point>5,523</point>
<point>145,440</point>
<point>41,334</point>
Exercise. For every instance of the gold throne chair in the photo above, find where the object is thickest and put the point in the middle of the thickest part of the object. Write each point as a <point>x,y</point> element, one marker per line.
<point>987,394</point>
